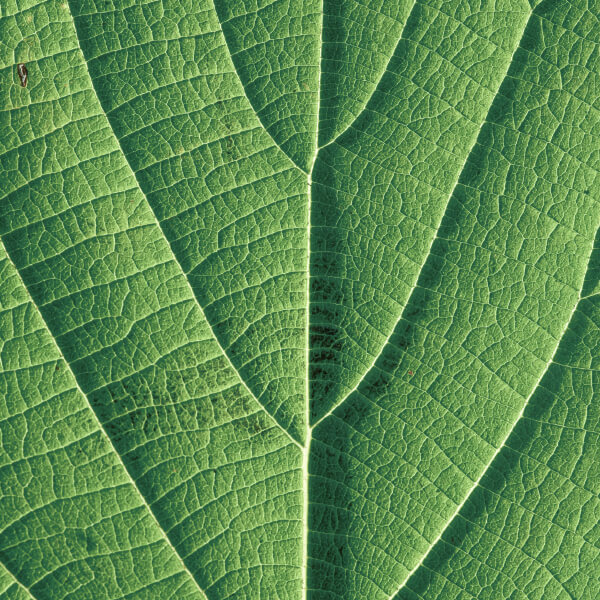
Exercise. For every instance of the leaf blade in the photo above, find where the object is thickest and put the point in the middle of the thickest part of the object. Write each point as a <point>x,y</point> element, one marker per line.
<point>380,190</point>
<point>232,206</point>
<point>275,47</point>
<point>355,36</point>
<point>505,492</point>
<point>469,319</point>
<point>10,587</point>
<point>182,308</point>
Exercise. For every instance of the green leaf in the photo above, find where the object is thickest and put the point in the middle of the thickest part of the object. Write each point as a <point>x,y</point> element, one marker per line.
<point>300,300</point>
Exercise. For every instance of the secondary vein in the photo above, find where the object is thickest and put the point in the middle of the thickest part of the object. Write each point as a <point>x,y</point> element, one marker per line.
<point>375,87</point>
<point>428,252</point>
<point>173,256</point>
<point>101,428</point>
<point>496,452</point>
<point>18,583</point>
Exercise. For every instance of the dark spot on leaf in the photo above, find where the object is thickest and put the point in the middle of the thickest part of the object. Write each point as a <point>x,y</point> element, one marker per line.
<point>254,424</point>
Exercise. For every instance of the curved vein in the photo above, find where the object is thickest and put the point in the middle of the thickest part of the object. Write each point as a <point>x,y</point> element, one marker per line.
<point>375,87</point>
<point>4,570</point>
<point>496,452</point>
<point>101,428</point>
<point>174,258</point>
<point>433,240</point>
<point>230,53</point>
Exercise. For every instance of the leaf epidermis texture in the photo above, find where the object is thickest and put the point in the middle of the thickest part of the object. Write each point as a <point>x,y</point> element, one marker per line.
<point>299,300</point>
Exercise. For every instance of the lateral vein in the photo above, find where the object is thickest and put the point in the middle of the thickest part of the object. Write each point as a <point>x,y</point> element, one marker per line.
<point>100,427</point>
<point>174,258</point>
<point>497,451</point>
<point>18,583</point>
<point>246,94</point>
<point>375,87</point>
<point>433,240</point>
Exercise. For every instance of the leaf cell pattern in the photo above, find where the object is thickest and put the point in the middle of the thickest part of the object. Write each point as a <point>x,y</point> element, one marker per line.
<point>300,300</point>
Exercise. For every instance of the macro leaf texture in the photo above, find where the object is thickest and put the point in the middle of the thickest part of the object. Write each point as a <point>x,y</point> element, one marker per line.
<point>299,299</point>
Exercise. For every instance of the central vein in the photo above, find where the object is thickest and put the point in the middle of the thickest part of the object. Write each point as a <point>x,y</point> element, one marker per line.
<point>307,444</point>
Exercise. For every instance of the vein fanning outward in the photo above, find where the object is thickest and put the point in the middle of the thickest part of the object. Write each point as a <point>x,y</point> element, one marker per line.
<point>380,190</point>
<point>221,477</point>
<point>231,204</point>
<point>398,458</point>
<point>298,300</point>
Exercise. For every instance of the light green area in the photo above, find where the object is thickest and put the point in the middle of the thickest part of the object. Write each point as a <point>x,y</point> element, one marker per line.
<point>299,300</point>
<point>531,530</point>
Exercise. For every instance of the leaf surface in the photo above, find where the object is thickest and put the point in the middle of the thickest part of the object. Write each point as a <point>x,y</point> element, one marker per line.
<point>299,300</point>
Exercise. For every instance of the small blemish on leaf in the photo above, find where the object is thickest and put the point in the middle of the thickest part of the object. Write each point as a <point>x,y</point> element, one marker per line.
<point>23,74</point>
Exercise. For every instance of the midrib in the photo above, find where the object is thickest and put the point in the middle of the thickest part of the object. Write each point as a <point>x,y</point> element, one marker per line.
<point>306,450</point>
<point>307,443</point>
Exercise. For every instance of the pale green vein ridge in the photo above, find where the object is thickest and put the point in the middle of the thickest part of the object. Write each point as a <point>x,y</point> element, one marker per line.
<point>366,101</point>
<point>293,161</point>
<point>230,203</point>
<point>502,445</point>
<point>433,239</point>
<point>102,429</point>
<point>307,445</point>
<point>11,588</point>
<point>174,258</point>
<point>383,187</point>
